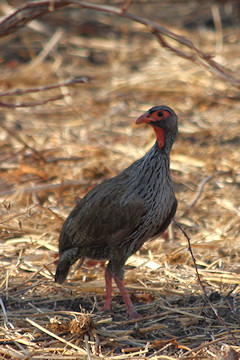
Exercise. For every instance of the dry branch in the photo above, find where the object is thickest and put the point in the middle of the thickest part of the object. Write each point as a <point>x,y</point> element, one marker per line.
<point>69,82</point>
<point>203,287</point>
<point>32,103</point>
<point>23,15</point>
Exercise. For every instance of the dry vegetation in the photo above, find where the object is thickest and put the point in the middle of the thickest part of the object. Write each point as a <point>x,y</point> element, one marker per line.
<point>53,153</point>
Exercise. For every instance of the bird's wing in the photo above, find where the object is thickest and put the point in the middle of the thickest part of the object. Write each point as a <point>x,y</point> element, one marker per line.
<point>168,219</point>
<point>106,215</point>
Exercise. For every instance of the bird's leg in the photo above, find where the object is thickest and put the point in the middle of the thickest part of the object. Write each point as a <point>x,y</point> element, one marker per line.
<point>108,294</point>
<point>133,314</point>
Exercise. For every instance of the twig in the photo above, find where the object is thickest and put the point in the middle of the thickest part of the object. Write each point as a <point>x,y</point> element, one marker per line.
<point>11,353</point>
<point>126,5</point>
<point>218,26</point>
<point>69,82</point>
<point>47,48</point>
<point>72,81</point>
<point>201,187</point>
<point>9,336</point>
<point>6,322</point>
<point>71,158</point>
<point>202,346</point>
<point>232,304</point>
<point>87,347</point>
<point>11,217</point>
<point>203,287</point>
<point>26,13</point>
<point>47,187</point>
<point>32,103</point>
<point>13,134</point>
<point>22,229</point>
<point>80,350</point>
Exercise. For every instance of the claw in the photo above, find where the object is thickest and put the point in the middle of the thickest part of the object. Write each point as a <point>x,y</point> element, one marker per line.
<point>133,314</point>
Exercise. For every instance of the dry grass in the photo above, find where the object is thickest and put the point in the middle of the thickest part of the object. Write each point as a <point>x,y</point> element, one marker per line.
<point>53,153</point>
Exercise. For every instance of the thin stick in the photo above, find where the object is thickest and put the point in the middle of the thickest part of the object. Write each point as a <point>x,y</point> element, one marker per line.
<point>72,81</point>
<point>202,346</point>
<point>6,322</point>
<point>87,347</point>
<point>48,47</point>
<point>11,353</point>
<point>203,287</point>
<point>21,141</point>
<point>126,5</point>
<point>9,336</point>
<point>218,26</point>
<point>46,187</point>
<point>32,103</point>
<point>81,351</point>
<point>201,187</point>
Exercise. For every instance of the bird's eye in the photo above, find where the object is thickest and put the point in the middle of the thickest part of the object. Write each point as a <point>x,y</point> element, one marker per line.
<point>160,113</point>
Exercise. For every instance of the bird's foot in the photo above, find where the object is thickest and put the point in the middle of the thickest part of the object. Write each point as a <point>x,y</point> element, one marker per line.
<point>105,311</point>
<point>106,308</point>
<point>133,314</point>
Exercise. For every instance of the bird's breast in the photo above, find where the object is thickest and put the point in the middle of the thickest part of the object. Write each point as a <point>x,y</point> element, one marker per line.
<point>158,202</point>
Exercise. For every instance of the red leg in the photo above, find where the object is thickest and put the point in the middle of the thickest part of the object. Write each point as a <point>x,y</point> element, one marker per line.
<point>126,298</point>
<point>108,293</point>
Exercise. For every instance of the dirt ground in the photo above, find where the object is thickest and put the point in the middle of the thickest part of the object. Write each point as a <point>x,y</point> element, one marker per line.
<point>53,153</point>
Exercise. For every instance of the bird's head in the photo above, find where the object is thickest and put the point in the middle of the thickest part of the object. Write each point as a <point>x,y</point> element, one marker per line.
<point>164,122</point>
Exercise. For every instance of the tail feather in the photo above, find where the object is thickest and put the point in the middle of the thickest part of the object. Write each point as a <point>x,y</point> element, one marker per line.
<point>61,275</point>
<point>67,258</point>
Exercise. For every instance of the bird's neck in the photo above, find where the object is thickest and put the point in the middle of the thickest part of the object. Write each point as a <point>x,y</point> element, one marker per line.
<point>157,156</point>
<point>160,134</point>
<point>164,140</point>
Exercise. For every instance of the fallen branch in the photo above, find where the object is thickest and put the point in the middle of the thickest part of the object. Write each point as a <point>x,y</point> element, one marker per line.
<point>25,14</point>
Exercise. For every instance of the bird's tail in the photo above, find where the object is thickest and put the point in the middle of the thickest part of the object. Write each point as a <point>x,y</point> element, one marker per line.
<point>67,258</point>
<point>61,275</point>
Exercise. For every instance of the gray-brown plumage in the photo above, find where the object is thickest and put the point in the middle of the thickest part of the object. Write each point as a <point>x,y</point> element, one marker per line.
<point>115,218</point>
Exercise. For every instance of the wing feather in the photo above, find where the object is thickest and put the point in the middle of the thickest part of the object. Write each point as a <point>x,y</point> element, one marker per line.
<point>106,215</point>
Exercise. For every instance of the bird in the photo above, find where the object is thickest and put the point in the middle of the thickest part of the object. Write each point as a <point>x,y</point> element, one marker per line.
<point>115,218</point>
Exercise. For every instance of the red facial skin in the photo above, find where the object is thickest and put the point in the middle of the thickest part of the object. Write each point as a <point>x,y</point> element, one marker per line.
<point>156,116</point>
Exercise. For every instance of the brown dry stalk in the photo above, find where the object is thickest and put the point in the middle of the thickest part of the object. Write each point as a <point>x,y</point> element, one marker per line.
<point>38,326</point>
<point>20,17</point>
<point>203,287</point>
